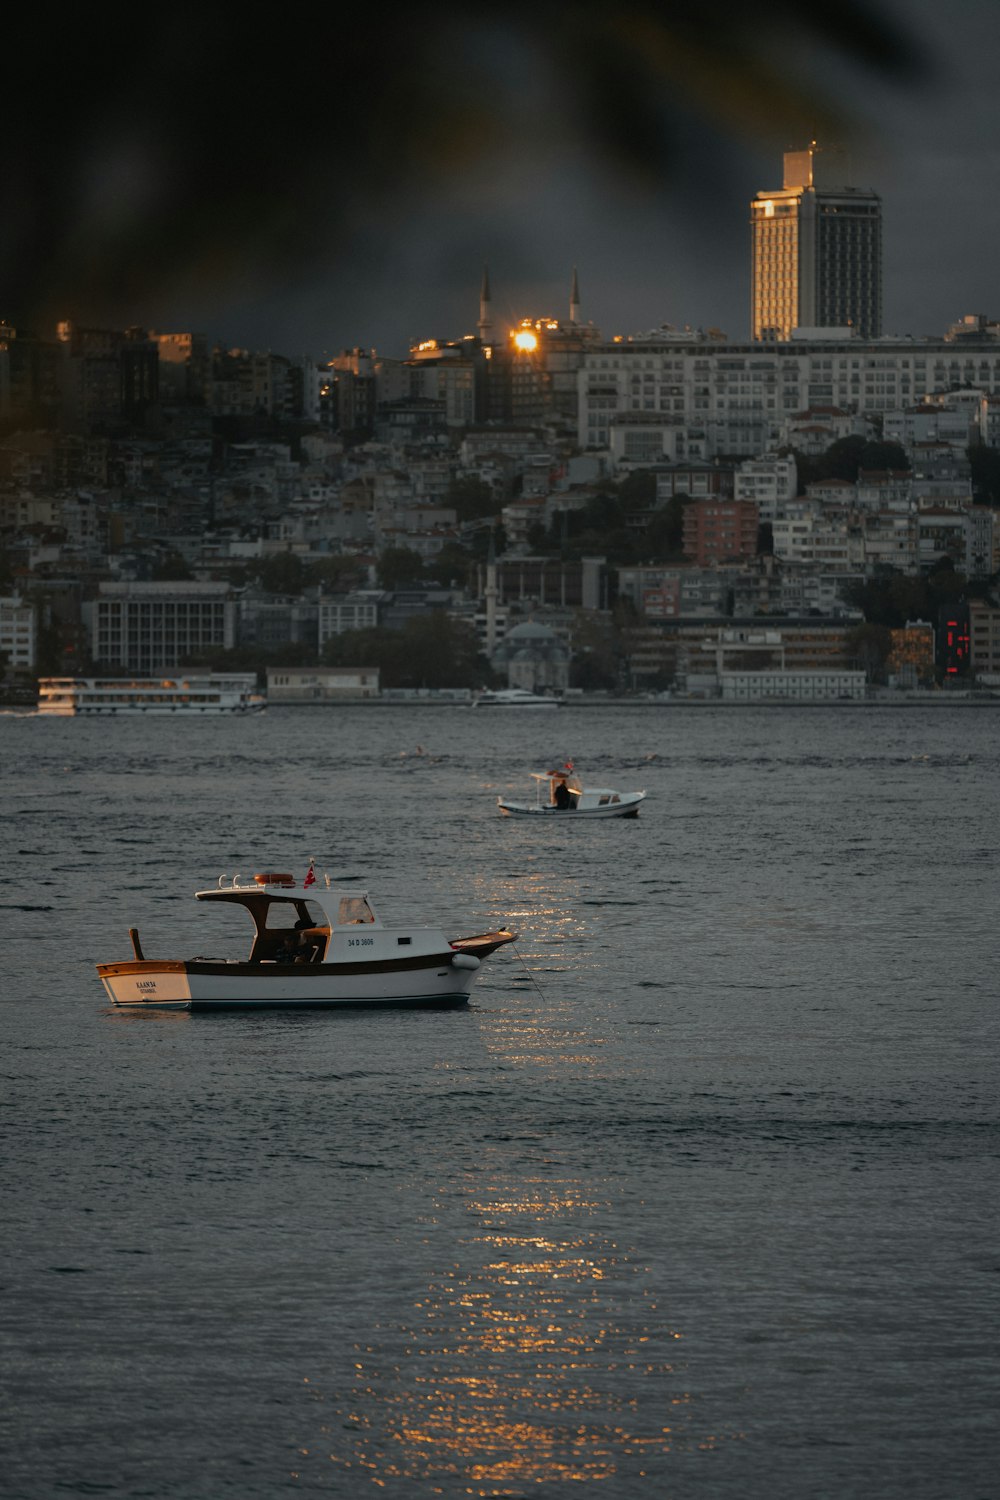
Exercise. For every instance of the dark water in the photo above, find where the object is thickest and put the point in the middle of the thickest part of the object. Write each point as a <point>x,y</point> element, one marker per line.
<point>698,1198</point>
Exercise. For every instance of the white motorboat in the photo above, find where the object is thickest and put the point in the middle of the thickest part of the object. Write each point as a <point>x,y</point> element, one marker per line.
<point>312,946</point>
<point>559,794</point>
<point>514,698</point>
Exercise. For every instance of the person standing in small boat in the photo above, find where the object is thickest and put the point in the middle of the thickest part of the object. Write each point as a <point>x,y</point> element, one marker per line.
<point>562,797</point>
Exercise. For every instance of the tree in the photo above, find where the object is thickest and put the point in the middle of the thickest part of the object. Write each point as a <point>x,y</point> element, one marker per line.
<point>984,463</point>
<point>441,652</point>
<point>472,499</point>
<point>282,573</point>
<point>883,455</point>
<point>333,573</point>
<point>845,458</point>
<point>451,566</point>
<point>598,527</point>
<point>598,653</point>
<point>432,650</point>
<point>663,540</point>
<point>481,539</point>
<point>869,646</point>
<point>171,566</point>
<point>399,565</point>
<point>637,490</point>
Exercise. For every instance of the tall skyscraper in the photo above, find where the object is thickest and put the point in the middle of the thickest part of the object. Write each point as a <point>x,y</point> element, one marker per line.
<point>817,250</point>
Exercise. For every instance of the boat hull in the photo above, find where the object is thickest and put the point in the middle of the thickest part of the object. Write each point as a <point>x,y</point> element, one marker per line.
<point>432,981</point>
<point>568,814</point>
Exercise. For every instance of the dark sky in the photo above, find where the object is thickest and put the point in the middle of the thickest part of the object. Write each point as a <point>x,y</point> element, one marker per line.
<point>930,148</point>
<point>405,263</point>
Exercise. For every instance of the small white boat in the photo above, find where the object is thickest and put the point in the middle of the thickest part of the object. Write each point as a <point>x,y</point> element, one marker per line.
<point>559,794</point>
<point>312,946</point>
<point>514,698</point>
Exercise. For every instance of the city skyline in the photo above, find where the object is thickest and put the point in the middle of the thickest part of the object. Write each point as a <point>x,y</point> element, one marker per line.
<point>920,146</point>
<point>669,249</point>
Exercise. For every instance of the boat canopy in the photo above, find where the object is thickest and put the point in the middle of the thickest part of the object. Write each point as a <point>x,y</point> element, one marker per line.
<point>277,910</point>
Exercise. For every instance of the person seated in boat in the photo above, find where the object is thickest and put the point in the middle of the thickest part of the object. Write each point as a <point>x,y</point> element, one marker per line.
<point>291,950</point>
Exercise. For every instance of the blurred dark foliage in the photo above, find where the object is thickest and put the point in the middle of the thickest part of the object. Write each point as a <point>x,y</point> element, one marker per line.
<point>157,150</point>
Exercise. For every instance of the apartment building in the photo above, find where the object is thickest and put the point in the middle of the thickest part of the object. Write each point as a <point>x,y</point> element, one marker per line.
<point>18,634</point>
<point>150,627</point>
<point>711,399</point>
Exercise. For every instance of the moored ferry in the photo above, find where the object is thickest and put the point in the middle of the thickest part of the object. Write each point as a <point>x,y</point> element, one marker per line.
<point>217,693</point>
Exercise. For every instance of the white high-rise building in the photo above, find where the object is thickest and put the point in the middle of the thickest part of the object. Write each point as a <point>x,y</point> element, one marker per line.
<point>817,250</point>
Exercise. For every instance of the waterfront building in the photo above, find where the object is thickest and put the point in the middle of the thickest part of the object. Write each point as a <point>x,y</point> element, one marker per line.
<point>314,685</point>
<point>816,250</point>
<point>686,649</point>
<point>829,686</point>
<point>984,639</point>
<point>18,634</point>
<point>910,662</point>
<point>953,641</point>
<point>149,627</point>
<point>534,657</point>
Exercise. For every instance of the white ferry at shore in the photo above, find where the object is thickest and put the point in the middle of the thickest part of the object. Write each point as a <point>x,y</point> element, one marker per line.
<point>217,693</point>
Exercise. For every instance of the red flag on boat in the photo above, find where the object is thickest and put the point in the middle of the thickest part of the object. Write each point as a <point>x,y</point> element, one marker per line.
<point>310,876</point>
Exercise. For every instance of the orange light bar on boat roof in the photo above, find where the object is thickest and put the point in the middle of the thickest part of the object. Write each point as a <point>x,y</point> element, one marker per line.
<point>287,880</point>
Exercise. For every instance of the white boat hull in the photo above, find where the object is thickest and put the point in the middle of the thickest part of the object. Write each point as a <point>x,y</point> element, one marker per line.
<point>623,809</point>
<point>429,980</point>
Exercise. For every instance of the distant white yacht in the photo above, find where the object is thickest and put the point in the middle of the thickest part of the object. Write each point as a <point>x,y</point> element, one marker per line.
<point>514,698</point>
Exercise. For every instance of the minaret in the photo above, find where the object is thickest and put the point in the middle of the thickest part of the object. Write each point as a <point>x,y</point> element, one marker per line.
<point>485,310</point>
<point>574,300</point>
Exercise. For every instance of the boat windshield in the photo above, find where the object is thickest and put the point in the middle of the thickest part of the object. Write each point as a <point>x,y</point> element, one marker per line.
<point>353,910</point>
<point>296,913</point>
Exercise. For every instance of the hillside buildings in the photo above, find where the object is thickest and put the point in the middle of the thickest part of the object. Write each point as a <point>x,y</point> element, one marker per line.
<point>188,499</point>
<point>667,397</point>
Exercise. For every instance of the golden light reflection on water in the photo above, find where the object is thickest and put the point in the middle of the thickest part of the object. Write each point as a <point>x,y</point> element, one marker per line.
<point>544,964</point>
<point>535,1351</point>
<point>539,1356</point>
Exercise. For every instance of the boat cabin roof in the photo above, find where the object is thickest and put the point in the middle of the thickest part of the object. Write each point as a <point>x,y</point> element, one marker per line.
<point>321,905</point>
